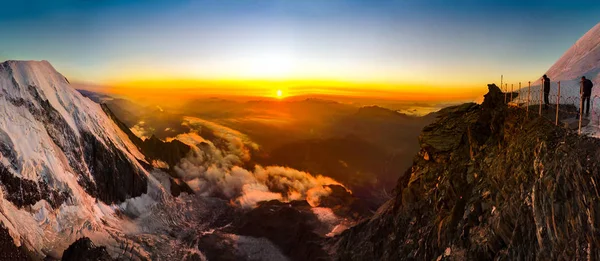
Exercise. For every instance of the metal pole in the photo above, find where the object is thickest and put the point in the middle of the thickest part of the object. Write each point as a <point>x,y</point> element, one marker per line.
<point>502,84</point>
<point>519,96</point>
<point>528,97</point>
<point>580,106</point>
<point>505,90</point>
<point>511,91</point>
<point>557,103</point>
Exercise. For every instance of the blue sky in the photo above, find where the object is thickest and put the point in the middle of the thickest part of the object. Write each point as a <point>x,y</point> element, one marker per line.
<point>401,42</point>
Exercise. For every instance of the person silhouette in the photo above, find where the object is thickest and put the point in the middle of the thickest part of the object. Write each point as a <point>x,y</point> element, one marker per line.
<point>546,84</point>
<point>586,94</point>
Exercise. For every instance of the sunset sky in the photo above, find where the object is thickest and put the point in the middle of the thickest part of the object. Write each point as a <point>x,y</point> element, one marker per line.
<point>303,46</point>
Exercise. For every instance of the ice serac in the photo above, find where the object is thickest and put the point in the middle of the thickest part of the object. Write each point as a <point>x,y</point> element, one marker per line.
<point>59,155</point>
<point>488,184</point>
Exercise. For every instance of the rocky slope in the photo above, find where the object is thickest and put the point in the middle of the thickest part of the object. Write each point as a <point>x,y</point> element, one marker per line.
<point>488,183</point>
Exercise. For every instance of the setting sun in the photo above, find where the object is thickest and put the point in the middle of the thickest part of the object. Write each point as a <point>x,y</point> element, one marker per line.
<point>279,94</point>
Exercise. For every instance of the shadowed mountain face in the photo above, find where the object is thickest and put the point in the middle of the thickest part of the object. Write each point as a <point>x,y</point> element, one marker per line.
<point>364,150</point>
<point>366,169</point>
<point>84,250</point>
<point>8,250</point>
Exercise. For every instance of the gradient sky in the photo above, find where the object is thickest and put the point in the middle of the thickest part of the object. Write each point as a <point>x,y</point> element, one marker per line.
<point>397,44</point>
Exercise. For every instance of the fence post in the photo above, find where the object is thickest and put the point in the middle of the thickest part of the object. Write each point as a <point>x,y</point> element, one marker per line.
<point>505,90</point>
<point>580,106</point>
<point>557,103</point>
<point>519,96</point>
<point>511,91</point>
<point>528,97</point>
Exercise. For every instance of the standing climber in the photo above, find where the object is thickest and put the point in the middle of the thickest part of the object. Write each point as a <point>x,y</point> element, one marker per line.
<point>546,82</point>
<point>586,93</point>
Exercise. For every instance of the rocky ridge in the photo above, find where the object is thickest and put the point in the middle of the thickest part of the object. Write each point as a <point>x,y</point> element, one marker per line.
<point>488,183</point>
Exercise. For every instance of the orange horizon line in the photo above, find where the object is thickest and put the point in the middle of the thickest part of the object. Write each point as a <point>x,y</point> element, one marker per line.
<point>295,83</point>
<point>243,88</point>
<point>396,96</point>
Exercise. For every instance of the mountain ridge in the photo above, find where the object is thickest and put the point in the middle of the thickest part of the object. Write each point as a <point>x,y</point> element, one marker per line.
<point>487,185</point>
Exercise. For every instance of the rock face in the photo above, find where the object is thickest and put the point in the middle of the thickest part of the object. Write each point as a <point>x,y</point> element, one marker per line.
<point>84,250</point>
<point>290,228</point>
<point>154,149</point>
<point>488,184</point>
<point>295,229</point>
<point>8,250</point>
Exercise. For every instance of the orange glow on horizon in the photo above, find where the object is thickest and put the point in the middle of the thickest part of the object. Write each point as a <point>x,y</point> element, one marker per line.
<point>188,88</point>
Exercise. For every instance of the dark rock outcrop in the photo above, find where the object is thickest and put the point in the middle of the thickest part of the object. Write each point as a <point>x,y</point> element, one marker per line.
<point>8,250</point>
<point>84,250</point>
<point>344,204</point>
<point>290,226</point>
<point>489,183</point>
<point>116,178</point>
<point>153,148</point>
<point>293,227</point>
<point>170,152</point>
<point>23,192</point>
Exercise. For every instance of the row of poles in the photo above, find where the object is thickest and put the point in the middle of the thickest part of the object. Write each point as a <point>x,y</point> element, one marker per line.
<point>541,98</point>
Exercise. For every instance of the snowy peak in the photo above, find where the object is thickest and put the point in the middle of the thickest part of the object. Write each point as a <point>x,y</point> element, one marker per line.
<point>582,59</point>
<point>48,130</point>
<point>48,84</point>
<point>61,158</point>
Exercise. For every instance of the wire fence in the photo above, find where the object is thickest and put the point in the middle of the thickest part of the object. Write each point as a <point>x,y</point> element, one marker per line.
<point>563,105</point>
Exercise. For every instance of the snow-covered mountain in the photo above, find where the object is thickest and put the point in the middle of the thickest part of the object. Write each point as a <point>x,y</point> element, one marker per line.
<point>63,161</point>
<point>582,59</point>
<point>70,171</point>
